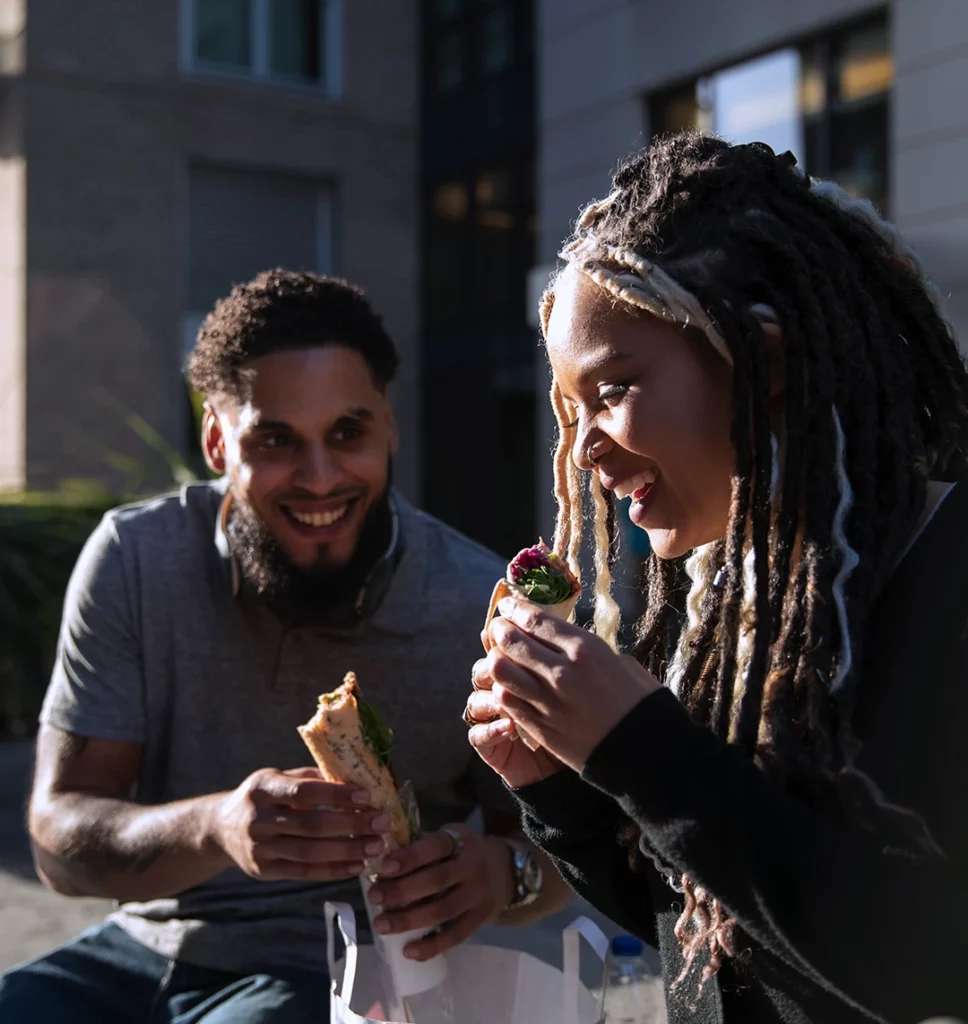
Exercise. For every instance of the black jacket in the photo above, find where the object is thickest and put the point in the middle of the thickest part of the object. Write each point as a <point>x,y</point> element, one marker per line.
<point>835,926</point>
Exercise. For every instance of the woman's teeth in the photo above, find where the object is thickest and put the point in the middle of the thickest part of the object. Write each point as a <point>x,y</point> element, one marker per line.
<point>635,483</point>
<point>320,518</point>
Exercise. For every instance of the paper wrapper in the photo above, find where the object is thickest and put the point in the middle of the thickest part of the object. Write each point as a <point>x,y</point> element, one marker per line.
<point>405,976</point>
<point>562,610</point>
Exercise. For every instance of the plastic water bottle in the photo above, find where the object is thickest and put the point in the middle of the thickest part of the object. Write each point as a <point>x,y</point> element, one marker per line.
<point>633,995</point>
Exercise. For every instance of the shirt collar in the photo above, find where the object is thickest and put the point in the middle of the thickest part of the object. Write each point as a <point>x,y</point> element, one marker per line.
<point>390,594</point>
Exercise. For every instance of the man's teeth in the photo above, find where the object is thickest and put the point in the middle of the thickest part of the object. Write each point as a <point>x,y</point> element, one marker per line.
<point>635,483</point>
<point>320,518</point>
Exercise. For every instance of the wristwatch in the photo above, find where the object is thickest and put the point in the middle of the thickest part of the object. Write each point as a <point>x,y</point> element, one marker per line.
<point>527,873</point>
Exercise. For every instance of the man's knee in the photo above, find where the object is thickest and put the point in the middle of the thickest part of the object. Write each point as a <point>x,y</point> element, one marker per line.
<point>87,980</point>
<point>30,993</point>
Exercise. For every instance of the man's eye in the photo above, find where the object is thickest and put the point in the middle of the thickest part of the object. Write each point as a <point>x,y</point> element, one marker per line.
<point>273,442</point>
<point>348,432</point>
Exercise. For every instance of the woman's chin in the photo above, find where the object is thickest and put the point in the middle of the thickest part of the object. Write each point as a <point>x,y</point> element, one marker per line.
<point>673,543</point>
<point>668,544</point>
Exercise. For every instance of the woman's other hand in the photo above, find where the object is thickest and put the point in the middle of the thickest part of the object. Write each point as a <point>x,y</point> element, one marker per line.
<point>567,688</point>
<point>495,738</point>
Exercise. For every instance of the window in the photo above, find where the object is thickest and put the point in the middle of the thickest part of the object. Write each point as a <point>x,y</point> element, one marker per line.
<point>469,41</point>
<point>296,42</point>
<point>450,62</point>
<point>497,39</point>
<point>480,241</point>
<point>825,99</point>
<point>241,222</point>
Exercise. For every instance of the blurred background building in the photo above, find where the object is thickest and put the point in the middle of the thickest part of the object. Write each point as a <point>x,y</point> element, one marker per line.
<point>155,153</point>
<point>434,151</point>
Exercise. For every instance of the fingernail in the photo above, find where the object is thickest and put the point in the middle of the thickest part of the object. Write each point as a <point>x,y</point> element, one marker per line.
<point>381,823</point>
<point>382,925</point>
<point>356,869</point>
<point>362,798</point>
<point>375,848</point>
<point>375,896</point>
<point>412,953</point>
<point>390,867</point>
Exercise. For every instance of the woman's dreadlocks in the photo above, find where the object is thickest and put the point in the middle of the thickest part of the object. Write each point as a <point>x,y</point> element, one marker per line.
<point>728,239</point>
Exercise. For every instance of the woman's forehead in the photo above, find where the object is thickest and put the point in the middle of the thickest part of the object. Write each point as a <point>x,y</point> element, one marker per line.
<point>589,329</point>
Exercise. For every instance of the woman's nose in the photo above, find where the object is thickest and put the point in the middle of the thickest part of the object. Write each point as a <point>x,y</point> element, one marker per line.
<point>589,450</point>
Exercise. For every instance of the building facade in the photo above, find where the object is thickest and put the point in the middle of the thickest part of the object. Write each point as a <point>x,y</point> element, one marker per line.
<point>479,242</point>
<point>870,94</point>
<point>155,153</point>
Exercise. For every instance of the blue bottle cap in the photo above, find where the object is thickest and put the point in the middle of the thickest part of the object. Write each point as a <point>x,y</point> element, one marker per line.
<point>627,945</point>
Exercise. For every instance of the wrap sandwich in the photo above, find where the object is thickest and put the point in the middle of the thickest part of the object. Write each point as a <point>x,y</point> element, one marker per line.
<point>538,575</point>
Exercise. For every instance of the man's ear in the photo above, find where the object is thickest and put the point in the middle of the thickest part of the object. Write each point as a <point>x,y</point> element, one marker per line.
<point>213,440</point>
<point>393,432</point>
<point>775,358</point>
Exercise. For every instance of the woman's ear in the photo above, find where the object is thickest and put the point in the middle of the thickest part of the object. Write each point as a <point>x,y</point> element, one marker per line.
<point>775,358</point>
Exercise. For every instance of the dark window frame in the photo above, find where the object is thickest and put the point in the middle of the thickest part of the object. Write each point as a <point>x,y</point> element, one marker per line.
<point>259,71</point>
<point>825,42</point>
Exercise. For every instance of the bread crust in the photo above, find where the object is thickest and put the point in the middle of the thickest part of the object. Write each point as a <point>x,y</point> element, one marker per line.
<point>334,737</point>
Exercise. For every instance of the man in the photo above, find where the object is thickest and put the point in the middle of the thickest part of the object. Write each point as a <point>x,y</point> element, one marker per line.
<point>198,630</point>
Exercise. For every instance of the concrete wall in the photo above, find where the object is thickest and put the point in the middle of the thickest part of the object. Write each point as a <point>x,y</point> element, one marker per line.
<point>12,241</point>
<point>12,277</point>
<point>930,145</point>
<point>111,127</point>
<point>598,60</point>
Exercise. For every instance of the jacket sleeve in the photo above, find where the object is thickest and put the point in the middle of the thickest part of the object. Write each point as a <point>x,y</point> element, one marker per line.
<point>577,826</point>
<point>867,923</point>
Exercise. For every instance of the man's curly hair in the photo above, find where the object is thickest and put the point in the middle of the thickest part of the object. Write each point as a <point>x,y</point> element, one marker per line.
<point>281,310</point>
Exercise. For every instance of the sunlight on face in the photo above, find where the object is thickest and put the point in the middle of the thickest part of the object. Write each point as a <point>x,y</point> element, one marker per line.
<point>655,401</point>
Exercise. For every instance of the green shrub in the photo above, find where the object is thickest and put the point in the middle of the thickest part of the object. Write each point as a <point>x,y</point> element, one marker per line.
<point>41,537</point>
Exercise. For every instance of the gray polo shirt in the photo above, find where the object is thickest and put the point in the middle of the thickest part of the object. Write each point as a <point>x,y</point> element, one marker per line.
<point>159,647</point>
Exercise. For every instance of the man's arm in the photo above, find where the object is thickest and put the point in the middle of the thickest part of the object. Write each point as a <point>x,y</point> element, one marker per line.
<point>90,838</point>
<point>555,891</point>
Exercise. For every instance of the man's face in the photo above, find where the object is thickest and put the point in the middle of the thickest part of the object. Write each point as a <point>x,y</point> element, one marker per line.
<point>307,449</point>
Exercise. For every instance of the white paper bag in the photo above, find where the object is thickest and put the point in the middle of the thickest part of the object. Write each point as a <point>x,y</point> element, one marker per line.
<point>488,984</point>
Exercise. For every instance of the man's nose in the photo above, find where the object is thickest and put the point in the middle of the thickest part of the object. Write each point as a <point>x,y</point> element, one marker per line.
<point>318,470</point>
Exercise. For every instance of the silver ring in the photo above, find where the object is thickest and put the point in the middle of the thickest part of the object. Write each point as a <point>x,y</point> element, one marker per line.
<point>466,716</point>
<point>458,842</point>
<point>588,454</point>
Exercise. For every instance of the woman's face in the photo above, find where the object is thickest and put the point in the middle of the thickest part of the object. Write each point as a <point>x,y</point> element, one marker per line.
<point>654,403</point>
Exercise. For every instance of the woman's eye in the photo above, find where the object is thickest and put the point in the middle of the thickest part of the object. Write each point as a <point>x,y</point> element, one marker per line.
<point>272,442</point>
<point>613,393</point>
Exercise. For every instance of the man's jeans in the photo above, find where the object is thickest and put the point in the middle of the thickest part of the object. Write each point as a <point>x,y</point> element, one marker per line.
<point>104,976</point>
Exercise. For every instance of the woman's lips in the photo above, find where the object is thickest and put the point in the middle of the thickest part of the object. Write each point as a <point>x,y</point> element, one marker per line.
<point>641,503</point>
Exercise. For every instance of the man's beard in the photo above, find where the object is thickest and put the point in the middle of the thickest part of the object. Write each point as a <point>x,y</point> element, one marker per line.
<point>305,593</point>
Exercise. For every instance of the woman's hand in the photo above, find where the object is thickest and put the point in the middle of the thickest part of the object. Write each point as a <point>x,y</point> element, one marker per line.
<point>494,736</point>
<point>567,688</point>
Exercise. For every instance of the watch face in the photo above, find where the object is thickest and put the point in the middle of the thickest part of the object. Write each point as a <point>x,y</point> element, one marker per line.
<point>531,875</point>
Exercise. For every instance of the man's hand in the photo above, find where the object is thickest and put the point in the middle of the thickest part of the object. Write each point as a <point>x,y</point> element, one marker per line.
<point>457,894</point>
<point>294,825</point>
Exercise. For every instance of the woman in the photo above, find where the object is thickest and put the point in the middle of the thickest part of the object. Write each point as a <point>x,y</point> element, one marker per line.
<point>772,788</point>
